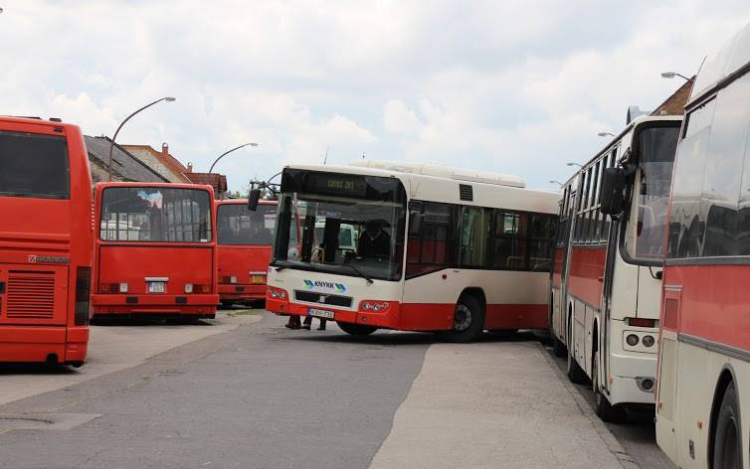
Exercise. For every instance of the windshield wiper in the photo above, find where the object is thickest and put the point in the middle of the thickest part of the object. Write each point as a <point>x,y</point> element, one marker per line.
<point>361,274</point>
<point>280,267</point>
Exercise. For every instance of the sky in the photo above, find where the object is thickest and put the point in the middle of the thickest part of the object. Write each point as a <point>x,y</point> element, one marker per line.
<point>513,86</point>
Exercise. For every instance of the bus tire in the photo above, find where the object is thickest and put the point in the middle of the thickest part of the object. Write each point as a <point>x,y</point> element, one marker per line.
<point>558,347</point>
<point>358,330</point>
<point>468,321</point>
<point>604,410</point>
<point>728,437</point>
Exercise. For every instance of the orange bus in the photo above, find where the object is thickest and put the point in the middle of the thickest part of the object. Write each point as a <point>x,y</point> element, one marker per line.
<point>244,244</point>
<point>45,242</point>
<point>155,253</point>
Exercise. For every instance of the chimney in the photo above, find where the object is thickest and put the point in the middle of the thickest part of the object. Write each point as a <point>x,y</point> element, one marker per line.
<point>164,150</point>
<point>190,168</point>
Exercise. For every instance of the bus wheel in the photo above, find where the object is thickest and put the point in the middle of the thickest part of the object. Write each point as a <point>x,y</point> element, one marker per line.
<point>557,346</point>
<point>604,410</point>
<point>356,329</point>
<point>468,321</point>
<point>727,453</point>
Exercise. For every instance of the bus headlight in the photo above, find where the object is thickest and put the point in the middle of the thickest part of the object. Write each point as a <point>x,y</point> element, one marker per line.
<point>375,306</point>
<point>123,288</point>
<point>648,341</point>
<point>188,288</point>
<point>632,340</point>
<point>233,279</point>
<point>276,293</point>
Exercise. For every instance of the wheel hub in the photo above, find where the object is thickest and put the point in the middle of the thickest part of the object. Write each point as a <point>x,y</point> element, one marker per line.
<point>461,318</point>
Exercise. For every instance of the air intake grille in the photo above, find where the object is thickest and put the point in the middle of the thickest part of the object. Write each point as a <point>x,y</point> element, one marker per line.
<point>466,192</point>
<point>31,295</point>
<point>323,299</point>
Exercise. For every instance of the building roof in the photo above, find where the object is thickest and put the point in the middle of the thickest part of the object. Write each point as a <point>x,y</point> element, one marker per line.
<point>675,104</point>
<point>217,181</point>
<point>161,161</point>
<point>124,165</point>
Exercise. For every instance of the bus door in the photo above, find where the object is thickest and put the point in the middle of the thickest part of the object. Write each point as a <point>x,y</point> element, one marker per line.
<point>569,228</point>
<point>606,308</point>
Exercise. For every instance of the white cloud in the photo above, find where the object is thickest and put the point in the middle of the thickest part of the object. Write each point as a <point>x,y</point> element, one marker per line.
<point>515,86</point>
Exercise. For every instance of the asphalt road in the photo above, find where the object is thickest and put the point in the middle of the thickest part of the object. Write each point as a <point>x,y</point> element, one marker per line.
<point>637,435</point>
<point>256,397</point>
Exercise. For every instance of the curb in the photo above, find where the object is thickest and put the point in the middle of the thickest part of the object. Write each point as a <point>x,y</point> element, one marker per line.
<point>609,440</point>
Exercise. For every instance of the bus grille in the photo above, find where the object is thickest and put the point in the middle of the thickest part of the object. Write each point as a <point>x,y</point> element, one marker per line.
<point>31,295</point>
<point>323,299</point>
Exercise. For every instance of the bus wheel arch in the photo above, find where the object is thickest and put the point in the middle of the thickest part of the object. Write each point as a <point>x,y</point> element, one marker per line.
<point>725,384</point>
<point>469,315</point>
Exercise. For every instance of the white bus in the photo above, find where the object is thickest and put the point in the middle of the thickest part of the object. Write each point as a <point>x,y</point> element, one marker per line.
<point>703,395</point>
<point>606,284</point>
<point>438,249</point>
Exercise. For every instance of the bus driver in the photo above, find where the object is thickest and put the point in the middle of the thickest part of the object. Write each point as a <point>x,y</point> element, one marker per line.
<point>374,242</point>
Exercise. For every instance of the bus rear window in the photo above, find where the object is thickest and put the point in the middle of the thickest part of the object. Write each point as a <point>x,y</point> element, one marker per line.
<point>155,214</point>
<point>239,226</point>
<point>34,165</point>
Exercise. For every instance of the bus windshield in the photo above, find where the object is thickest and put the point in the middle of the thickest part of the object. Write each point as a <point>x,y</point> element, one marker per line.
<point>656,150</point>
<point>351,225</point>
<point>33,165</point>
<point>239,226</point>
<point>155,214</point>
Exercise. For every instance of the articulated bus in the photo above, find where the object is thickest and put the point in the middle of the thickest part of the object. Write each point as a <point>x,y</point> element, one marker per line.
<point>155,253</point>
<point>244,248</point>
<point>703,395</point>
<point>45,242</point>
<point>434,249</point>
<point>606,284</point>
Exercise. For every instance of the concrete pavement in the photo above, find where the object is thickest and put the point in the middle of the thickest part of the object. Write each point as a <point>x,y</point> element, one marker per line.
<point>111,349</point>
<point>492,405</point>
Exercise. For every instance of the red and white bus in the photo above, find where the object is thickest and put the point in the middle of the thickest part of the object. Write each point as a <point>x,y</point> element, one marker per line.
<point>45,242</point>
<point>703,395</point>
<point>606,284</point>
<point>155,253</point>
<point>244,247</point>
<point>434,249</point>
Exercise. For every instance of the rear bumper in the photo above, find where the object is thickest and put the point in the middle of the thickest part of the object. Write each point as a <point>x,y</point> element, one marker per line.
<point>234,292</point>
<point>38,343</point>
<point>154,304</point>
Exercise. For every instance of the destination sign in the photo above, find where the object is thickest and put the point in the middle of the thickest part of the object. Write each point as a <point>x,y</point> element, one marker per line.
<point>336,184</point>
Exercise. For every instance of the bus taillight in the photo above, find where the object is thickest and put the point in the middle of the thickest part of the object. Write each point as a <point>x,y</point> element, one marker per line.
<point>640,322</point>
<point>83,294</point>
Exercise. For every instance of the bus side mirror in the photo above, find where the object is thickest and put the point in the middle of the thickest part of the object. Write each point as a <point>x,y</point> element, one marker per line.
<point>613,191</point>
<point>252,200</point>
<point>415,223</point>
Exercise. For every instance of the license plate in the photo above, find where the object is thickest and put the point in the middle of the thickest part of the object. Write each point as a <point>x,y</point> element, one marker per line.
<point>157,287</point>
<point>320,313</point>
<point>257,279</point>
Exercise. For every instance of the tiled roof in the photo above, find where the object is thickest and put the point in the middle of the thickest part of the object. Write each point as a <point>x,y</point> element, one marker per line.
<point>124,164</point>
<point>218,181</point>
<point>169,162</point>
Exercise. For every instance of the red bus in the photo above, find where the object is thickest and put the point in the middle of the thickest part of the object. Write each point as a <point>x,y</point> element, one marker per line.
<point>155,253</point>
<point>244,242</point>
<point>45,243</point>
<point>703,392</point>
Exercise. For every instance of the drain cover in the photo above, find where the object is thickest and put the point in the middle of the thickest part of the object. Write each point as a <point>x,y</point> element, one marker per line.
<point>43,421</point>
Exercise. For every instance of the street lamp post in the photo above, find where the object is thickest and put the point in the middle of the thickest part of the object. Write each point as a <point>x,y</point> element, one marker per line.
<point>605,134</point>
<point>552,181</point>
<point>252,144</point>
<point>574,164</point>
<point>671,75</point>
<point>168,99</point>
